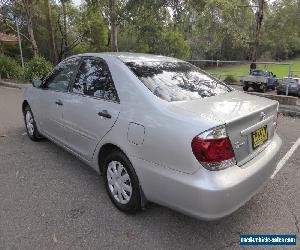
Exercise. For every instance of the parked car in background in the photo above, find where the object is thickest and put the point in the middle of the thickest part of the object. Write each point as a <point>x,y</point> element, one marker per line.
<point>259,80</point>
<point>290,83</point>
<point>158,129</point>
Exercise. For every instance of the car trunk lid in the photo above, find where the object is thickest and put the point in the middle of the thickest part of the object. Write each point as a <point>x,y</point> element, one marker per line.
<point>244,115</point>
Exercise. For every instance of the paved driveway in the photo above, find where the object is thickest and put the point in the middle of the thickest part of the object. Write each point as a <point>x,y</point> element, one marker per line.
<point>51,200</point>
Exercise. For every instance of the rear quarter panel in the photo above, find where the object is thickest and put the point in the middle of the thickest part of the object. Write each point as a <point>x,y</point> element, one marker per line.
<point>167,140</point>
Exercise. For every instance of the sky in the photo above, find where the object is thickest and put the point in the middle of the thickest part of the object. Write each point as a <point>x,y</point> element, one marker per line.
<point>77,2</point>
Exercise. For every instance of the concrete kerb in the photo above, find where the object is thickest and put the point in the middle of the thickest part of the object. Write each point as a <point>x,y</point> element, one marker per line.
<point>13,85</point>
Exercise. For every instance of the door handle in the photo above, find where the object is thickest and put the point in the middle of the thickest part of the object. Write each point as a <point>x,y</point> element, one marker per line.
<point>59,102</point>
<point>105,114</point>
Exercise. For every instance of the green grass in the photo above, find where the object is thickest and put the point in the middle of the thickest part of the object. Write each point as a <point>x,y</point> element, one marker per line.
<point>243,69</point>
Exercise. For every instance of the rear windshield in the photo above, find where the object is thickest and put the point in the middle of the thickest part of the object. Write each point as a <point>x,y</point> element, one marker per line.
<point>177,81</point>
<point>290,80</point>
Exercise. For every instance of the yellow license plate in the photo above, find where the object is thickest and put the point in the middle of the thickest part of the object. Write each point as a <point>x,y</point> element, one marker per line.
<point>259,136</point>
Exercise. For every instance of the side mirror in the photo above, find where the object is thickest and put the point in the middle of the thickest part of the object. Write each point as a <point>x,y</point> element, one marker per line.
<point>37,83</point>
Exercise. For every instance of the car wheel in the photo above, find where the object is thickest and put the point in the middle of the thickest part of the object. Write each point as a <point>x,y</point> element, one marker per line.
<point>256,87</point>
<point>278,92</point>
<point>245,88</point>
<point>30,125</point>
<point>264,88</point>
<point>121,182</point>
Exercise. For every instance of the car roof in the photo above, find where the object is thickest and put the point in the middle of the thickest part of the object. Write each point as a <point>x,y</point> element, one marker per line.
<point>133,57</point>
<point>295,78</point>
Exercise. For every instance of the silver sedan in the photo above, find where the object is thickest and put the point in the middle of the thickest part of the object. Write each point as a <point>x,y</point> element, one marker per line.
<point>158,129</point>
<point>293,85</point>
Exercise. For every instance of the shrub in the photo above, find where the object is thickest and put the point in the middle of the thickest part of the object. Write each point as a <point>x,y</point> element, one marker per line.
<point>173,44</point>
<point>230,79</point>
<point>36,68</point>
<point>9,68</point>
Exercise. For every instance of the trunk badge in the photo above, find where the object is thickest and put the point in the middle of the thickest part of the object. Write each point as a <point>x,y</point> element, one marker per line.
<point>262,116</point>
<point>239,144</point>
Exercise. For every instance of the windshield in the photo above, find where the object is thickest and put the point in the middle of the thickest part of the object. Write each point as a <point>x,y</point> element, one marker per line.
<point>259,73</point>
<point>177,81</point>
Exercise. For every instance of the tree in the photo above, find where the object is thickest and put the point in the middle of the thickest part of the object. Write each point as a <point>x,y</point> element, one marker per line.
<point>259,19</point>
<point>90,22</point>
<point>68,35</point>
<point>173,44</point>
<point>27,5</point>
<point>280,34</point>
<point>221,30</point>
<point>198,29</point>
<point>113,25</point>
<point>53,51</point>
<point>64,30</point>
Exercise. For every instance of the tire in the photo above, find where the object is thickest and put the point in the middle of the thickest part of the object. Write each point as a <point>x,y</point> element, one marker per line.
<point>273,88</point>
<point>128,199</point>
<point>278,92</point>
<point>264,89</point>
<point>30,125</point>
<point>245,88</point>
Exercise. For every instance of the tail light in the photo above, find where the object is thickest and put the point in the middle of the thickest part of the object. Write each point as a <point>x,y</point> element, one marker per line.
<point>213,149</point>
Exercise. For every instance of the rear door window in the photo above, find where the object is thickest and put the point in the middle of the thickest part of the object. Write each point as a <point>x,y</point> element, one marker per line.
<point>177,81</point>
<point>94,79</point>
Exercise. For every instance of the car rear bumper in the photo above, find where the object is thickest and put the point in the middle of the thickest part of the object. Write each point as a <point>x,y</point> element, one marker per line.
<point>207,194</point>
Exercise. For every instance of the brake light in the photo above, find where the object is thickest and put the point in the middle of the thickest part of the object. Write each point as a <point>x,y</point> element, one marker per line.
<point>213,149</point>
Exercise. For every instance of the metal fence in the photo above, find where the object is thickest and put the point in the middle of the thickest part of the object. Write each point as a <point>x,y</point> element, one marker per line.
<point>217,64</point>
<point>291,72</point>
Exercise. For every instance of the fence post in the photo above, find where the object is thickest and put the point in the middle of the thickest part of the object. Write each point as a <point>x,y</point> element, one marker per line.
<point>287,84</point>
<point>218,69</point>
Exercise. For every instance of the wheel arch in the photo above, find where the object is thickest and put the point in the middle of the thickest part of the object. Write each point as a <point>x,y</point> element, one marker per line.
<point>104,150</point>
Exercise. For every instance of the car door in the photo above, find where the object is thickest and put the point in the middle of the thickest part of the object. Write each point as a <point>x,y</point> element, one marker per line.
<point>91,108</point>
<point>51,97</point>
<point>271,79</point>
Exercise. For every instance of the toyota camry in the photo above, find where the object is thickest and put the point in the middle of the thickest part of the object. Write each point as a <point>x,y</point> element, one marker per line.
<point>158,129</point>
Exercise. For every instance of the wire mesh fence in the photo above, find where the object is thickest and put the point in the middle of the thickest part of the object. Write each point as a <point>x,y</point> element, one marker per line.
<point>233,70</point>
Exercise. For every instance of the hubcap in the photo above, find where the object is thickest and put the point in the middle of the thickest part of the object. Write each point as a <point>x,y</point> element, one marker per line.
<point>119,182</point>
<point>29,123</point>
